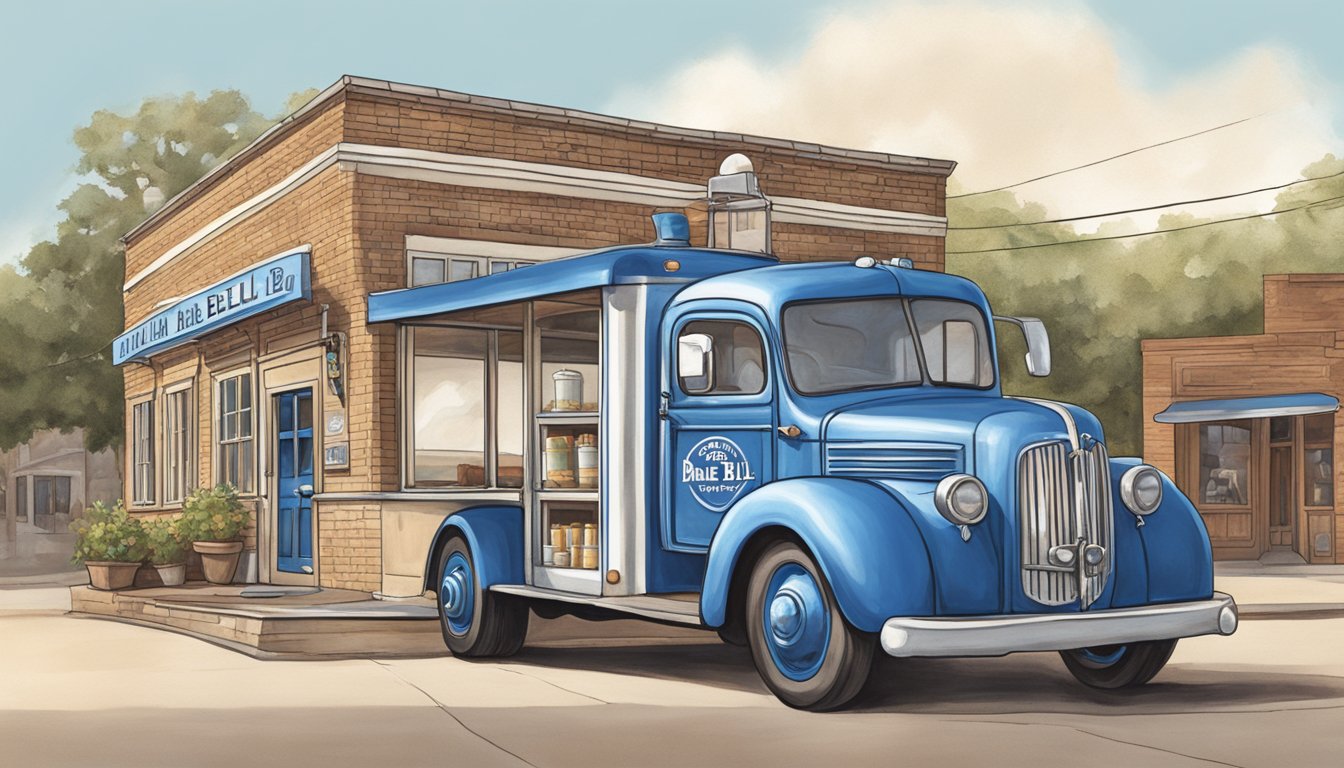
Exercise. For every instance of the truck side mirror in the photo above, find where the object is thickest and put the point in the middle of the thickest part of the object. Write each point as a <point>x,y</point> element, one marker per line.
<point>1038,343</point>
<point>695,362</point>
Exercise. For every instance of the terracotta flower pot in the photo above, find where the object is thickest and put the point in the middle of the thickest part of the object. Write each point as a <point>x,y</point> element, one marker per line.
<point>172,575</point>
<point>219,559</point>
<point>109,576</point>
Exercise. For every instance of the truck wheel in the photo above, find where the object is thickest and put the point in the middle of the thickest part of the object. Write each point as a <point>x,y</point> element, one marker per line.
<point>476,622</point>
<point>1118,666</point>
<point>804,649</point>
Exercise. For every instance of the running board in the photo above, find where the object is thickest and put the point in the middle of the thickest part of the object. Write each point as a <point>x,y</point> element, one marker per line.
<point>647,606</point>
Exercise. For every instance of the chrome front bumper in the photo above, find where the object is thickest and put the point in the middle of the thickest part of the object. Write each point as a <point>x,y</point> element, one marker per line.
<point>999,635</point>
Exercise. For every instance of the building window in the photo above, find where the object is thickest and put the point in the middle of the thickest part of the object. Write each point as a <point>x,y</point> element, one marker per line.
<point>142,453</point>
<point>465,406</point>
<point>21,499</point>
<point>428,268</point>
<point>1224,464</point>
<point>236,459</point>
<point>177,440</point>
<point>1318,439</point>
<point>51,497</point>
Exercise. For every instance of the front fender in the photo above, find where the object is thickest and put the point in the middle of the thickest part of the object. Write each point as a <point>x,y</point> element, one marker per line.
<point>495,535</point>
<point>1175,543</point>
<point>862,537</point>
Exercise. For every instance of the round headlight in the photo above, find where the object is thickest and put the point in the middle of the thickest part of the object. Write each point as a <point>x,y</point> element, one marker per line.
<point>1141,489</point>
<point>961,499</point>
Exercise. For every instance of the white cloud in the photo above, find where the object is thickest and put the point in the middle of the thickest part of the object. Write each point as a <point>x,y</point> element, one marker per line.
<point>1012,93</point>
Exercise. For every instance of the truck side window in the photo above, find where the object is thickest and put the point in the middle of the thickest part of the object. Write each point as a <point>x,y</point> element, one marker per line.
<point>739,359</point>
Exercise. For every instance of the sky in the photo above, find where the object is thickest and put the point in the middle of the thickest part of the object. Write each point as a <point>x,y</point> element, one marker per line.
<point>1008,89</point>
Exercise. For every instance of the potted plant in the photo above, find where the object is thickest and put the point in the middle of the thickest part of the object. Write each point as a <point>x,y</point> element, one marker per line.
<point>213,520</point>
<point>111,544</point>
<point>167,551</point>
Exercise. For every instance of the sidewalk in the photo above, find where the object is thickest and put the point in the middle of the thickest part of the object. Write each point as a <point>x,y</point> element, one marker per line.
<point>1282,591</point>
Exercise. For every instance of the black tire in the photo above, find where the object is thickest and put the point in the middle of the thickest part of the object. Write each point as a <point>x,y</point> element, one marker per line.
<point>1118,666</point>
<point>497,624</point>
<point>733,634</point>
<point>846,655</point>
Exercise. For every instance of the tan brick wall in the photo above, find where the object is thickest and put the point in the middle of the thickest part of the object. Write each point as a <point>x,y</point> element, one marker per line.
<point>282,155</point>
<point>349,543</point>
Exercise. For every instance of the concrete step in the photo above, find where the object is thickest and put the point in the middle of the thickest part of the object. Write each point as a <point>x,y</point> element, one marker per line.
<point>327,624</point>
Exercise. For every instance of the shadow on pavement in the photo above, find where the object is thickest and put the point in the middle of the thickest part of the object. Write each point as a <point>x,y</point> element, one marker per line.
<point>1036,682</point>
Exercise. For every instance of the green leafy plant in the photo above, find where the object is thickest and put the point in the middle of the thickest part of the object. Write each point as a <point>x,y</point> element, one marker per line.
<point>166,545</point>
<point>109,534</point>
<point>213,514</point>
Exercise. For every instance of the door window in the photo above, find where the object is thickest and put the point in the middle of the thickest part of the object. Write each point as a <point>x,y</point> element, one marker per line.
<point>736,358</point>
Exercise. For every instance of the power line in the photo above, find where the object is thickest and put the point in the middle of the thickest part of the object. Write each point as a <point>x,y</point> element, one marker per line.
<point>1150,207</point>
<point>1084,240</point>
<point>1109,159</point>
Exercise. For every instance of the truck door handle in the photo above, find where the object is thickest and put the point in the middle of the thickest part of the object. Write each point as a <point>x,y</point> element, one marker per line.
<point>304,491</point>
<point>790,431</point>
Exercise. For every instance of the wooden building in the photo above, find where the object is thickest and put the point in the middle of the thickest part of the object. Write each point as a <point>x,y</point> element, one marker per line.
<point>1248,425</point>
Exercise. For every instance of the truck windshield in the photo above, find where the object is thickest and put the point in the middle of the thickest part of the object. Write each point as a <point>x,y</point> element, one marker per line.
<point>838,346</point>
<point>833,346</point>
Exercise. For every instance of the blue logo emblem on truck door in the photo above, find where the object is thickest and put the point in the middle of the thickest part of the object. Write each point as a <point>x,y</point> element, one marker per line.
<point>716,470</point>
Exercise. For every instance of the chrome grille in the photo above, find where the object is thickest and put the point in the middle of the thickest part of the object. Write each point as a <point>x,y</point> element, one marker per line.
<point>894,460</point>
<point>1064,499</point>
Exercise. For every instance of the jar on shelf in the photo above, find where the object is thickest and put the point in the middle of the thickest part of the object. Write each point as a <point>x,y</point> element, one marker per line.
<point>568,390</point>
<point>559,470</point>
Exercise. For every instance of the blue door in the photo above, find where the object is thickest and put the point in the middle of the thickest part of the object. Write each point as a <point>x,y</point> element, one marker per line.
<point>718,429</point>
<point>294,481</point>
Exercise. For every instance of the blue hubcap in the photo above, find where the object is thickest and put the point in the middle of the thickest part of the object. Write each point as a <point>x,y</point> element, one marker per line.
<point>457,596</point>
<point>797,622</point>
<point>1103,656</point>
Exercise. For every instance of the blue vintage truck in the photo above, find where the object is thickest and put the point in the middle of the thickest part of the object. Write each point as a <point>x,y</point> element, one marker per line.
<point>815,460</point>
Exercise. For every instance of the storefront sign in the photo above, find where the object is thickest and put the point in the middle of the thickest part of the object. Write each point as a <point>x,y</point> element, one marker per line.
<point>267,285</point>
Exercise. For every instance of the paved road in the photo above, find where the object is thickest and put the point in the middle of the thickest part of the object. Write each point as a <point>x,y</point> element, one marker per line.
<point>89,692</point>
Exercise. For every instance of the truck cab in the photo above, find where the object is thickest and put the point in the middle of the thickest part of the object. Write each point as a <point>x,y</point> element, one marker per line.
<point>815,460</point>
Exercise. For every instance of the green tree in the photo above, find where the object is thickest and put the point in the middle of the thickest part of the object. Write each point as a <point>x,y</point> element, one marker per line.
<point>1101,298</point>
<point>61,309</point>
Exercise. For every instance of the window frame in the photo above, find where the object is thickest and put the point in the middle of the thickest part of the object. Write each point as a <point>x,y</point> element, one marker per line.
<point>1252,467</point>
<point>179,461</point>
<point>1326,444</point>
<point>739,319</point>
<point>218,441</point>
<point>910,324</point>
<point>986,328</point>
<point>22,511</point>
<point>482,266</point>
<point>142,441</point>
<point>490,400</point>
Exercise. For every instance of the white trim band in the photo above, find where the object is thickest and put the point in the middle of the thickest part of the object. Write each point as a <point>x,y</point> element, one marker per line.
<point>543,178</point>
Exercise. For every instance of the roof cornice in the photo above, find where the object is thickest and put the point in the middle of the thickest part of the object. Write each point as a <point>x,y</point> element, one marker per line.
<point>388,88</point>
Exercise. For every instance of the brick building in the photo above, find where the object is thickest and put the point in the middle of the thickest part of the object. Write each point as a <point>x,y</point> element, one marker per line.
<point>247,354</point>
<point>1248,425</point>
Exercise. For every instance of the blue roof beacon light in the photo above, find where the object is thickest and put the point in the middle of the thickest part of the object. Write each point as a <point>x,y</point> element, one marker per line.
<point>672,230</point>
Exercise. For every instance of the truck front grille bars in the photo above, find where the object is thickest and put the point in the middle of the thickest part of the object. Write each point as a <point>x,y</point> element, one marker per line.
<point>1064,503</point>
